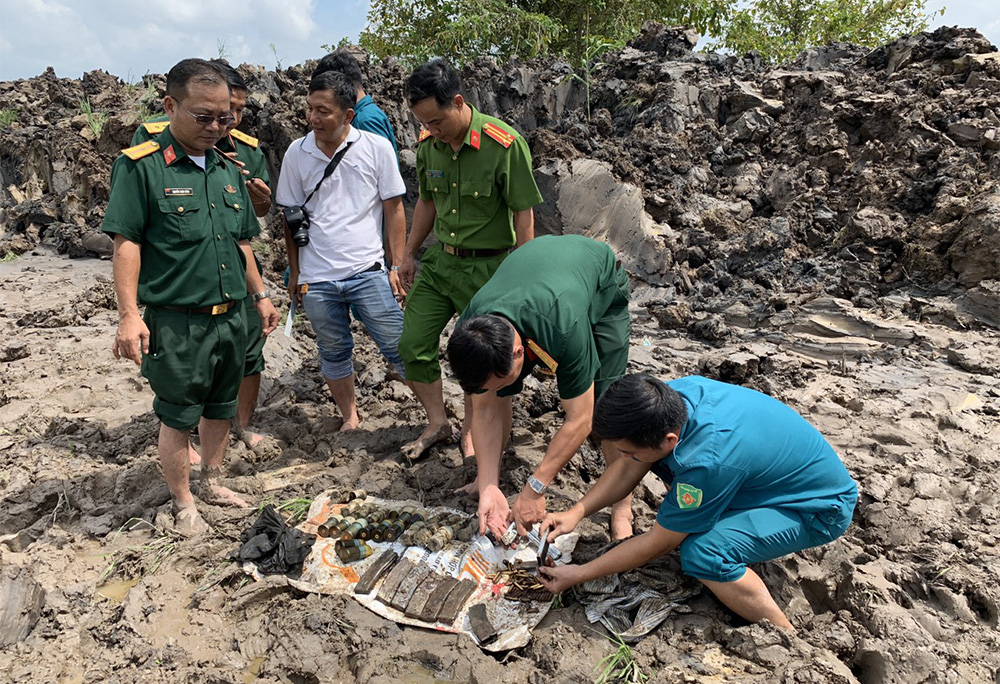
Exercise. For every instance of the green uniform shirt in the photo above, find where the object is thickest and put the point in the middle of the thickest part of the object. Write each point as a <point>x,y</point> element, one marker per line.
<point>554,290</point>
<point>475,189</point>
<point>250,155</point>
<point>188,221</point>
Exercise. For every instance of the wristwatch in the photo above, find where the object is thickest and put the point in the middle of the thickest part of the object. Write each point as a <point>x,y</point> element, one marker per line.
<point>394,268</point>
<point>257,296</point>
<point>536,485</point>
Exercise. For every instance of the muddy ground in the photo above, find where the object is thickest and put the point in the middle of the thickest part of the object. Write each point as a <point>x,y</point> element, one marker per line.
<point>826,233</point>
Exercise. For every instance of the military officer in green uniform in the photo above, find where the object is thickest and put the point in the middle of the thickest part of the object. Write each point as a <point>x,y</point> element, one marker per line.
<point>179,214</point>
<point>246,150</point>
<point>560,303</point>
<point>476,194</point>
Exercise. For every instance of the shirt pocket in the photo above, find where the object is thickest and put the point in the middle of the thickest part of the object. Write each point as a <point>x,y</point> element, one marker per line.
<point>233,214</point>
<point>179,218</point>
<point>477,201</point>
<point>439,189</point>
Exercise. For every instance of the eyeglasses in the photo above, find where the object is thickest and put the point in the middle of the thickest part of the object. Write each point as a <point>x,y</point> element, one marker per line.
<point>208,119</point>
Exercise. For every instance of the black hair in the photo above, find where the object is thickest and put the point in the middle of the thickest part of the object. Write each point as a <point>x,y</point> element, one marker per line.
<point>481,346</point>
<point>192,70</point>
<point>343,62</point>
<point>639,408</point>
<point>436,79</point>
<point>344,94</point>
<point>232,76</point>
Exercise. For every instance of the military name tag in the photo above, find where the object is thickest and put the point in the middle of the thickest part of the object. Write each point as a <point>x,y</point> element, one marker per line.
<point>178,192</point>
<point>435,174</point>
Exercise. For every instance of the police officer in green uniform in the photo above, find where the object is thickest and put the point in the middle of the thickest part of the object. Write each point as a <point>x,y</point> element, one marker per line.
<point>476,194</point>
<point>179,214</point>
<point>560,303</point>
<point>246,150</point>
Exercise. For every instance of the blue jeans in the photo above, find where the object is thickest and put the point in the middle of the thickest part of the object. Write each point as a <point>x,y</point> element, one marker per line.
<point>327,304</point>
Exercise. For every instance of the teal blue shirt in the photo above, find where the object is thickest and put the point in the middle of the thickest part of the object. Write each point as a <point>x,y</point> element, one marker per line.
<point>368,117</point>
<point>739,450</point>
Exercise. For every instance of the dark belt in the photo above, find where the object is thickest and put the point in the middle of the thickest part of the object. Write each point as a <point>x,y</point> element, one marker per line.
<point>214,310</point>
<point>377,266</point>
<point>455,251</point>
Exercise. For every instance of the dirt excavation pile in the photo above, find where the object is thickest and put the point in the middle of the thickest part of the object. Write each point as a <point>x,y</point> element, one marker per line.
<point>827,231</point>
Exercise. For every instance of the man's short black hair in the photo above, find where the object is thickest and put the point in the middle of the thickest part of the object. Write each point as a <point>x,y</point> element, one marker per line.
<point>233,78</point>
<point>481,346</point>
<point>639,408</point>
<point>342,62</point>
<point>435,79</point>
<point>344,94</point>
<point>192,70</point>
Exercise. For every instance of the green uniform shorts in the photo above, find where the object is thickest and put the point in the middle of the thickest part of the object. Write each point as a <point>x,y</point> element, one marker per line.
<point>611,336</point>
<point>443,288</point>
<point>255,339</point>
<point>195,364</point>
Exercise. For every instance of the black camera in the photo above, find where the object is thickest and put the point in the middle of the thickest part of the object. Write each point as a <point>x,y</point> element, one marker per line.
<point>297,221</point>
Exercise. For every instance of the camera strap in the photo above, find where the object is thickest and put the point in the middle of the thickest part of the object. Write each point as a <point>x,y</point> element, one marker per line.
<point>326,173</point>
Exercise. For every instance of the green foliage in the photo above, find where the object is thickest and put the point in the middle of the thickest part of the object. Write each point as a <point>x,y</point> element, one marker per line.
<point>620,666</point>
<point>413,31</point>
<point>461,30</point>
<point>780,31</point>
<point>95,120</point>
<point>7,117</point>
<point>329,47</point>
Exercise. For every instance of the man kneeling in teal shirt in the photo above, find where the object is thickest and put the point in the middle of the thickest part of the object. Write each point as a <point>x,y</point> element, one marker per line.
<point>750,481</point>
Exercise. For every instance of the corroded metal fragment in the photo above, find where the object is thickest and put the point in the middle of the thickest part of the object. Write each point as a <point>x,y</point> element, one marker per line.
<point>397,575</point>
<point>481,626</point>
<point>418,601</point>
<point>408,586</point>
<point>376,571</point>
<point>436,599</point>
<point>456,599</point>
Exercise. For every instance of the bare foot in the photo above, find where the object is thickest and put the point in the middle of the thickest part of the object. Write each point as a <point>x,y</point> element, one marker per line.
<point>427,439</point>
<point>471,489</point>
<point>621,521</point>
<point>251,439</point>
<point>188,521</point>
<point>216,494</point>
<point>349,425</point>
<point>194,458</point>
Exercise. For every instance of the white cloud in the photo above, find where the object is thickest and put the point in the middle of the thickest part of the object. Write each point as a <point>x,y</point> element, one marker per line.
<point>132,37</point>
<point>129,38</point>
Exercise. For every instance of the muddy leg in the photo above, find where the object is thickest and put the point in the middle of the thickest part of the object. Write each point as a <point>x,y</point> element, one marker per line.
<point>173,447</point>
<point>438,428</point>
<point>749,598</point>
<point>214,440</point>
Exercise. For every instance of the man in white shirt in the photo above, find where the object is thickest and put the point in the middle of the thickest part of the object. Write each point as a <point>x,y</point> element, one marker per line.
<point>341,264</point>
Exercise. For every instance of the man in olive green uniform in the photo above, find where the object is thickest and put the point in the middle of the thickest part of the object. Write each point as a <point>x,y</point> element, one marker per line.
<point>246,150</point>
<point>476,193</point>
<point>179,214</point>
<point>559,304</point>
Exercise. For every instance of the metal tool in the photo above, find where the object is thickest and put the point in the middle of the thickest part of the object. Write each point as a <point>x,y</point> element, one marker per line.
<point>543,550</point>
<point>546,552</point>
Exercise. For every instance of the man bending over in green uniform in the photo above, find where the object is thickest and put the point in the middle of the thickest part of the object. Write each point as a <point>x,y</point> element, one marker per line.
<point>179,213</point>
<point>559,304</point>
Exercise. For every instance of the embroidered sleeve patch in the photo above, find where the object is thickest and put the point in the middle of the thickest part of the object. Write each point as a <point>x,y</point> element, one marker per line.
<point>688,496</point>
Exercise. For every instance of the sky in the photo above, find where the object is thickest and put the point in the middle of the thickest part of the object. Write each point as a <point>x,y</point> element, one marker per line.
<point>130,38</point>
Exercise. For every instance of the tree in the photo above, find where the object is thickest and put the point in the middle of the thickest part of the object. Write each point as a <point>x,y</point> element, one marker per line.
<point>779,31</point>
<point>461,30</point>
